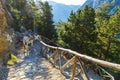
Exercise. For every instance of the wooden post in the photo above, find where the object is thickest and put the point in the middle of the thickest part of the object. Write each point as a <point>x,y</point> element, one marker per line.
<point>60,61</point>
<point>73,69</point>
<point>68,63</point>
<point>108,74</point>
<point>64,56</point>
<point>56,57</point>
<point>102,63</point>
<point>47,55</point>
<point>44,51</point>
<point>84,76</point>
<point>51,55</point>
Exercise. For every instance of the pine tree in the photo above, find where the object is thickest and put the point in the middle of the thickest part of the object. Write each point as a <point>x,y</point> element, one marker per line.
<point>108,34</point>
<point>80,31</point>
<point>46,27</point>
<point>18,11</point>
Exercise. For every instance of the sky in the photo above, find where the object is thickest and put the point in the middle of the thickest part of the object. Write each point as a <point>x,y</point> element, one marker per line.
<point>68,2</point>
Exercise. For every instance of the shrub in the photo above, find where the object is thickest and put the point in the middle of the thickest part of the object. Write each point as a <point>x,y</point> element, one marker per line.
<point>13,60</point>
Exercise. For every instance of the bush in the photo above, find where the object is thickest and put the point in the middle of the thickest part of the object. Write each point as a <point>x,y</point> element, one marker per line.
<point>13,60</point>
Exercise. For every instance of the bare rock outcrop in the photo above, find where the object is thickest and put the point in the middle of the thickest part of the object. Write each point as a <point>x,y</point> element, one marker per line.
<point>4,41</point>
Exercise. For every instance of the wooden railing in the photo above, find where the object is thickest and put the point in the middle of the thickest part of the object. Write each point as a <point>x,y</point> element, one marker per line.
<point>72,63</point>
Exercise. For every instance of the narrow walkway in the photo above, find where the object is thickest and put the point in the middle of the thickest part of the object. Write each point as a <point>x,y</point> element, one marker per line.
<point>34,67</point>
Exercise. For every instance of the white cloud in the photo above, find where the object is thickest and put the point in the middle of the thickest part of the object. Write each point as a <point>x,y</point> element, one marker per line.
<point>69,2</point>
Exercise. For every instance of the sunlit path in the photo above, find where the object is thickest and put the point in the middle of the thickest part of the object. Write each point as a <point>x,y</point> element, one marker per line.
<point>34,67</point>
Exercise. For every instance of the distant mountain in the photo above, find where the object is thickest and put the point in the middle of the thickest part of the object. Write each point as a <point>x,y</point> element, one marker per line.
<point>96,3</point>
<point>93,3</point>
<point>62,11</point>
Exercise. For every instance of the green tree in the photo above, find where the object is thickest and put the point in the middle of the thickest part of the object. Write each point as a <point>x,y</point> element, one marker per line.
<point>80,31</point>
<point>46,27</point>
<point>108,41</point>
<point>18,11</point>
<point>33,15</point>
<point>107,36</point>
<point>107,31</point>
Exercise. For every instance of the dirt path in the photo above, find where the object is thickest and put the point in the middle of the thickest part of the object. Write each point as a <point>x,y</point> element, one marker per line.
<point>34,67</point>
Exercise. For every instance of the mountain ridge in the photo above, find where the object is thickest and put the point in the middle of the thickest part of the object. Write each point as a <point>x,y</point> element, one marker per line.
<point>97,3</point>
<point>62,11</point>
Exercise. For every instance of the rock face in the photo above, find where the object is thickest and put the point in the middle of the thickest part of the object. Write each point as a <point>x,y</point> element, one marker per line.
<point>6,34</point>
<point>97,3</point>
<point>4,44</point>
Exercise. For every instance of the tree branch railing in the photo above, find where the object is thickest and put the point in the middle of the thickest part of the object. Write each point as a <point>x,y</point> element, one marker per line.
<point>72,63</point>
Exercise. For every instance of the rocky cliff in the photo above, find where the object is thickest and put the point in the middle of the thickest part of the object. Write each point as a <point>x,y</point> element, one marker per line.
<point>4,41</point>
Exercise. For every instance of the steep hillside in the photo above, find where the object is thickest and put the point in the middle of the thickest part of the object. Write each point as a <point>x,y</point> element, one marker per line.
<point>61,11</point>
<point>4,43</point>
<point>96,3</point>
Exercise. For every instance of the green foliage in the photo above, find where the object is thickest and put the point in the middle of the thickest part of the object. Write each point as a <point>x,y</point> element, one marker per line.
<point>13,60</point>
<point>18,11</point>
<point>46,27</point>
<point>80,32</point>
<point>87,31</point>
<point>34,16</point>
<point>107,37</point>
<point>10,63</point>
<point>93,33</point>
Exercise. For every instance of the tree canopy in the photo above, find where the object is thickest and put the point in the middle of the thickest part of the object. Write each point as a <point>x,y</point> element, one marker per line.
<point>34,16</point>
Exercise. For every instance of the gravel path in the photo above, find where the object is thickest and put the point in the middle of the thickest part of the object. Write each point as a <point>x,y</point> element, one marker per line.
<point>34,67</point>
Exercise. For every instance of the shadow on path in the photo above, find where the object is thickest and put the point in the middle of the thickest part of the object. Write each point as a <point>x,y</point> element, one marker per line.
<point>4,72</point>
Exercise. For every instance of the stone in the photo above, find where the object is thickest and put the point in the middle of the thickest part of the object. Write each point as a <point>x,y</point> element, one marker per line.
<point>21,73</point>
<point>22,77</point>
<point>13,79</point>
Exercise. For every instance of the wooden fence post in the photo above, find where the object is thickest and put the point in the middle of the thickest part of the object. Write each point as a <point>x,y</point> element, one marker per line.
<point>60,62</point>
<point>73,69</point>
<point>67,64</point>
<point>85,77</point>
<point>56,57</point>
<point>54,52</point>
<point>48,50</point>
<point>80,56</point>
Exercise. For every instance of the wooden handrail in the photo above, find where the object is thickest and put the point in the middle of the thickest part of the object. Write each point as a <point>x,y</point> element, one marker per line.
<point>103,63</point>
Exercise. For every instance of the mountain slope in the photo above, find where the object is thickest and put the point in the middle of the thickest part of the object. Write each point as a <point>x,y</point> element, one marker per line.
<point>61,11</point>
<point>96,3</point>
